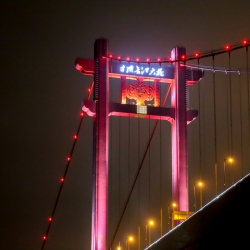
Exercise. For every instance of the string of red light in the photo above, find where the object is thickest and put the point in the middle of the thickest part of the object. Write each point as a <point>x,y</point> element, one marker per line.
<point>62,179</point>
<point>197,55</point>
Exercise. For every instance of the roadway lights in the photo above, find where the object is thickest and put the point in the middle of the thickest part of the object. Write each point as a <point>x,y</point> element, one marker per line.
<point>229,160</point>
<point>200,184</point>
<point>119,247</point>
<point>128,239</point>
<point>170,211</point>
<point>149,224</point>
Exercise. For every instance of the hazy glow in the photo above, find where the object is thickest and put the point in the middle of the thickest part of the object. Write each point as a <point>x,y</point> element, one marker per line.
<point>151,223</point>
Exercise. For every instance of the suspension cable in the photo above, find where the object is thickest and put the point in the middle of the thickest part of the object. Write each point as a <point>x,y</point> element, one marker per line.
<point>215,135</point>
<point>129,159</point>
<point>230,105</point>
<point>62,182</point>
<point>161,166</point>
<point>241,139</point>
<point>199,103</point>
<point>223,70</point>
<point>248,99</point>
<point>149,184</point>
<point>230,114</point>
<point>65,174</point>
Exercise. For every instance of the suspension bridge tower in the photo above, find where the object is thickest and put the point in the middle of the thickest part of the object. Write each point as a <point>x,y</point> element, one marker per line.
<point>178,76</point>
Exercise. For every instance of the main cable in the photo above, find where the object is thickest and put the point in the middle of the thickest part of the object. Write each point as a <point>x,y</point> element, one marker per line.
<point>64,176</point>
<point>62,182</point>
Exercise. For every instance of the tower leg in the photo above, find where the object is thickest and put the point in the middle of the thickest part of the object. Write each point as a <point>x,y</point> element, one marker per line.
<point>100,139</point>
<point>179,134</point>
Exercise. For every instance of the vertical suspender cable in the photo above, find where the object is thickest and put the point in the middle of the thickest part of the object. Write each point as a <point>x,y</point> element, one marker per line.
<point>230,105</point>
<point>138,158</point>
<point>199,103</point>
<point>248,99</point>
<point>110,167</point>
<point>241,139</point>
<point>204,129</point>
<point>189,92</point>
<point>161,165</point>
<point>230,113</point>
<point>215,134</point>
<point>149,205</point>
<point>129,159</point>
<point>138,145</point>
<point>119,166</point>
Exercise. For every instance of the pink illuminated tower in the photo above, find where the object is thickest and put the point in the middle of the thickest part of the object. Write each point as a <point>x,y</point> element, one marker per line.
<point>100,147</point>
<point>179,132</point>
<point>100,108</point>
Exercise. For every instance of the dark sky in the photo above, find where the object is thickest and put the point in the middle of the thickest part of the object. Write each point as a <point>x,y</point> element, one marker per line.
<point>41,94</point>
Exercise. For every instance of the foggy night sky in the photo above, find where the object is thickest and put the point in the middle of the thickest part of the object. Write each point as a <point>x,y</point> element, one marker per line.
<point>41,94</point>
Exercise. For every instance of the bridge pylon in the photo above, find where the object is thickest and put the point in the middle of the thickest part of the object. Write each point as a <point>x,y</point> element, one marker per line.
<point>176,74</point>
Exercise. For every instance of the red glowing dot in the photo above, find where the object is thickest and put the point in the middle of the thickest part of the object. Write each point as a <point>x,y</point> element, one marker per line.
<point>183,57</point>
<point>75,136</point>
<point>68,158</point>
<point>128,58</point>
<point>147,60</point>
<point>44,237</point>
<point>197,55</point>
<point>110,56</point>
<point>227,47</point>
<point>137,59</point>
<point>170,58</point>
<point>88,89</point>
<point>119,58</point>
<point>50,218</point>
<point>62,179</point>
<point>245,42</point>
<point>158,59</point>
<point>82,114</point>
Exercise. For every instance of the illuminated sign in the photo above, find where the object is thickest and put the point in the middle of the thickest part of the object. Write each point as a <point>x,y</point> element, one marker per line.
<point>143,70</point>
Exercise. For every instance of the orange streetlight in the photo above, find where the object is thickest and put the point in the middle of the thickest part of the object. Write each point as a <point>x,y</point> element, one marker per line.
<point>172,205</point>
<point>229,160</point>
<point>150,223</point>
<point>200,184</point>
<point>195,197</point>
<point>128,240</point>
<point>119,247</point>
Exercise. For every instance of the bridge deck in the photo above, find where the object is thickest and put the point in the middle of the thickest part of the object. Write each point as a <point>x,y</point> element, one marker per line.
<point>221,224</point>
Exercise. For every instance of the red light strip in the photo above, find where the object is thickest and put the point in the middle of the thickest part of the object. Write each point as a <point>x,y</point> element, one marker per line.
<point>196,55</point>
<point>62,180</point>
<point>90,90</point>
